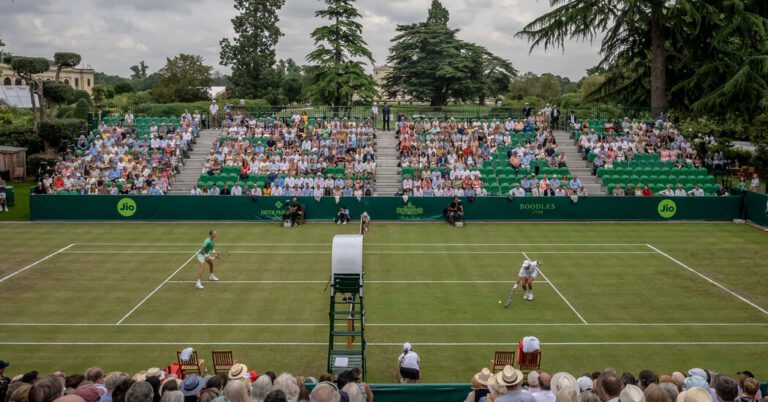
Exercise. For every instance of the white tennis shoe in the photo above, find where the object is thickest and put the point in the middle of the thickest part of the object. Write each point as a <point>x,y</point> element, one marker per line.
<point>213,277</point>
<point>198,285</point>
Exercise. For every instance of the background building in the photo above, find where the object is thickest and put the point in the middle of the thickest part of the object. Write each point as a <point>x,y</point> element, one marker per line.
<point>77,78</point>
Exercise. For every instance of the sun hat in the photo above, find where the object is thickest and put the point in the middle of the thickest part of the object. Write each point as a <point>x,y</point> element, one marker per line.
<point>696,382</point>
<point>562,380</point>
<point>237,371</point>
<point>698,372</point>
<point>192,385</point>
<point>585,383</point>
<point>483,376</point>
<point>632,393</point>
<point>694,395</point>
<point>156,372</point>
<point>509,376</point>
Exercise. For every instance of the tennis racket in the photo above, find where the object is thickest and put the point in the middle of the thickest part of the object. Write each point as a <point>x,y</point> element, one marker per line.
<point>221,255</point>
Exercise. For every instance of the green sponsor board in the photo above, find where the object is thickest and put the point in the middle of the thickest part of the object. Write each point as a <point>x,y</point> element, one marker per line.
<point>243,208</point>
<point>756,208</point>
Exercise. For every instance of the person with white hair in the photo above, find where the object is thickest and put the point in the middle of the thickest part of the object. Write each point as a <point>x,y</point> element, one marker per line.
<point>261,387</point>
<point>525,277</point>
<point>287,383</point>
<point>353,392</point>
<point>236,391</point>
<point>325,392</point>
<point>408,365</point>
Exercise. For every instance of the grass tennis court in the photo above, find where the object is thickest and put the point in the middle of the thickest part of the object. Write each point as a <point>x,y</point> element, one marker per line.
<point>629,296</point>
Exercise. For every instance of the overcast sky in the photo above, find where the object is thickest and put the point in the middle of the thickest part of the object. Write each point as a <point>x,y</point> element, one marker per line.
<point>112,35</point>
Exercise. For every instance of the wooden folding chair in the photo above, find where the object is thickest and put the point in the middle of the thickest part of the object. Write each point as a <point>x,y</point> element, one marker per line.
<point>222,361</point>
<point>193,365</point>
<point>502,358</point>
<point>530,362</point>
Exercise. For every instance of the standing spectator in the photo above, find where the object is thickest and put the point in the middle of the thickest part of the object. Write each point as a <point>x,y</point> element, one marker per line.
<point>3,200</point>
<point>556,117</point>
<point>129,119</point>
<point>755,183</point>
<point>214,120</point>
<point>386,113</point>
<point>527,111</point>
<point>375,111</point>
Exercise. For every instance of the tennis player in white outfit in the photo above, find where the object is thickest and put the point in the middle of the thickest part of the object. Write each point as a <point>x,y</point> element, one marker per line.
<point>526,276</point>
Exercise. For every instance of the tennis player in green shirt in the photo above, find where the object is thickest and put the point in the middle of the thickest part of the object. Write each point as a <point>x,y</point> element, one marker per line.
<point>205,255</point>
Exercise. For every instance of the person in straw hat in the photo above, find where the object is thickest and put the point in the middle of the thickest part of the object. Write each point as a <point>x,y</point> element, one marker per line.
<point>479,385</point>
<point>512,379</point>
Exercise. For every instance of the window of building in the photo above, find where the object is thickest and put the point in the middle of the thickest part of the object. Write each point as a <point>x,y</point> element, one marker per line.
<point>7,81</point>
<point>77,82</point>
<point>89,82</point>
<point>66,81</point>
<point>18,82</point>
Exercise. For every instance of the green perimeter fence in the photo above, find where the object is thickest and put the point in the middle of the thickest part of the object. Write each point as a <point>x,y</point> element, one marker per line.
<point>244,208</point>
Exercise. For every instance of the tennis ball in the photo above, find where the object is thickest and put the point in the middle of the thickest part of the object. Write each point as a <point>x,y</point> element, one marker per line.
<point>499,301</point>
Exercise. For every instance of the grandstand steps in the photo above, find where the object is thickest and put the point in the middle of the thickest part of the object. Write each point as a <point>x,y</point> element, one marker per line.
<point>194,165</point>
<point>388,179</point>
<point>576,165</point>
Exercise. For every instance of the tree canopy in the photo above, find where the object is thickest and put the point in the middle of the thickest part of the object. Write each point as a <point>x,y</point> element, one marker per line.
<point>64,60</point>
<point>430,63</point>
<point>183,79</point>
<point>338,71</point>
<point>251,54</point>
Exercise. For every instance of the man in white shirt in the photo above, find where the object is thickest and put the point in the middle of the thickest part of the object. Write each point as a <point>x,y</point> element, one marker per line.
<point>129,119</point>
<point>236,190</point>
<point>375,111</point>
<point>545,394</point>
<point>697,191</point>
<point>195,191</point>
<point>517,191</point>
<point>214,109</point>
<point>680,192</point>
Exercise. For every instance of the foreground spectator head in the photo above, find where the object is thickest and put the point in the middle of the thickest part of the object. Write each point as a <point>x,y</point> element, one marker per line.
<point>191,387</point>
<point>749,388</point>
<point>353,392</point>
<point>325,392</point>
<point>561,381</point>
<point>20,393</point>
<point>654,393</point>
<point>118,394</point>
<point>172,396</point>
<point>609,386</point>
<point>588,397</point>
<point>646,378</point>
<point>695,395</point>
<point>509,377</point>
<point>47,389</point>
<point>276,396</point>
<point>91,393</point>
<point>73,381</point>
<point>696,381</point>
<point>727,389</point>
<point>678,379</point>
<point>533,379</point>
<point>628,378</point>
<point>70,398</point>
<point>113,379</point>
<point>261,387</point>
<point>585,383</point>
<point>545,381</point>
<point>208,395</point>
<point>95,375</point>
<point>671,390</point>
<point>140,392</point>
<point>217,381</point>
<point>287,383</point>
<point>236,391</point>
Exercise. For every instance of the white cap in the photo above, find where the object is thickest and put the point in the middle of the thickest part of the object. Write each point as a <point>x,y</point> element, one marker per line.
<point>407,346</point>
<point>527,263</point>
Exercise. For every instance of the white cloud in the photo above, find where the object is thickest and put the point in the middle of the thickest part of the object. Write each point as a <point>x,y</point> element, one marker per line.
<point>112,35</point>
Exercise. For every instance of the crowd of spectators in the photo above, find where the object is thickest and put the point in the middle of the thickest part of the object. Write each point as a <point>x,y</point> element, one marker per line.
<point>300,156</point>
<point>156,385</point>
<point>444,157</point>
<point>119,159</point>
<point>243,385</point>
<point>509,385</point>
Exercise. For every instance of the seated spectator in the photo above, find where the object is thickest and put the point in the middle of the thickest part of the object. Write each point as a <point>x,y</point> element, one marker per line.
<point>618,191</point>
<point>696,192</point>
<point>680,191</point>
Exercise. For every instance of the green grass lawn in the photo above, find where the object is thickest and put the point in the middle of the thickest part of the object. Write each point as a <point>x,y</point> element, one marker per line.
<point>121,296</point>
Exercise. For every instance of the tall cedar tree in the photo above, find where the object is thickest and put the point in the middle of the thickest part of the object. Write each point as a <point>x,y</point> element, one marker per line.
<point>251,54</point>
<point>338,72</point>
<point>429,63</point>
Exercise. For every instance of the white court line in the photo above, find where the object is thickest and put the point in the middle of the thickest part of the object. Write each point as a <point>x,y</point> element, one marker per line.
<point>364,252</point>
<point>710,280</point>
<point>557,291</point>
<point>156,289</point>
<point>367,282</point>
<point>522,324</point>
<point>366,244</point>
<point>418,344</point>
<point>11,275</point>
